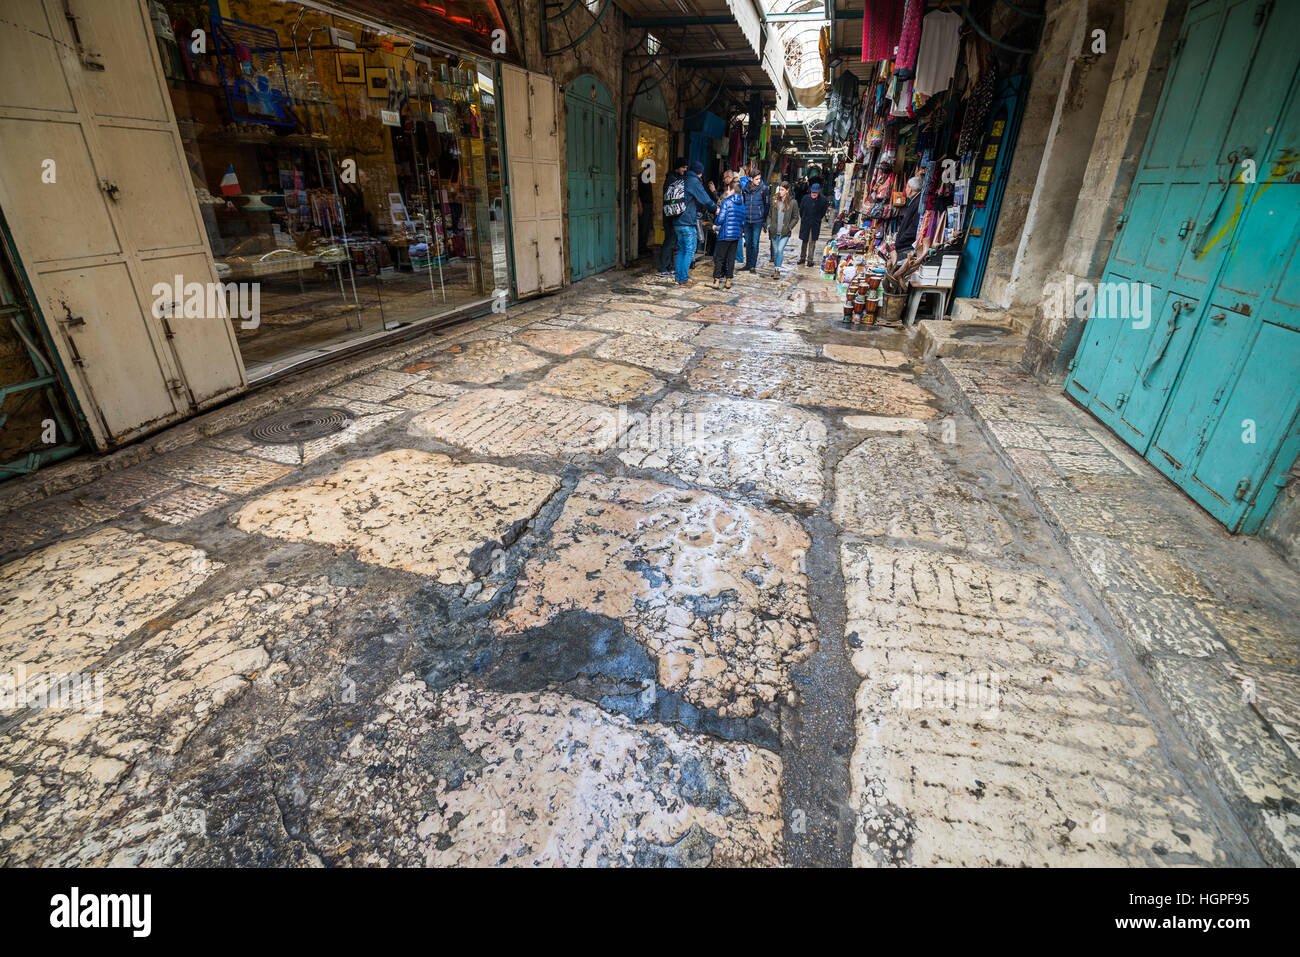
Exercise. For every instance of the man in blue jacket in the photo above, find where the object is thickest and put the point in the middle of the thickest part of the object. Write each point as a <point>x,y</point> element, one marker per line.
<point>755,196</point>
<point>685,224</point>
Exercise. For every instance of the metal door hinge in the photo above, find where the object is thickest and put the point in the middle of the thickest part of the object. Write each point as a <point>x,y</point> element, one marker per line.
<point>1242,488</point>
<point>1120,400</point>
<point>1119,223</point>
<point>1073,362</point>
<point>176,385</point>
<point>1185,227</point>
<point>1177,47</point>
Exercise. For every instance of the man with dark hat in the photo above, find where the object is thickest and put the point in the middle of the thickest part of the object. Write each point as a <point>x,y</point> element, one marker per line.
<point>811,210</point>
<point>685,224</point>
<point>674,187</point>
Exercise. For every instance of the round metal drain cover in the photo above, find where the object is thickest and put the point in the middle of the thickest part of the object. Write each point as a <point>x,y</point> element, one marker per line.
<point>299,425</point>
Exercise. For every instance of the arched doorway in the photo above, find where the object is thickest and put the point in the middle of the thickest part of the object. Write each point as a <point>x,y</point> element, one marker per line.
<point>591,152</point>
<point>650,159</point>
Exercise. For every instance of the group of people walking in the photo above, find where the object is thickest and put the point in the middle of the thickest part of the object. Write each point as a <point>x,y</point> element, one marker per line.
<point>736,217</point>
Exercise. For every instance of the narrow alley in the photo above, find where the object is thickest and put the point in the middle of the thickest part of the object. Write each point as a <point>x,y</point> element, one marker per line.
<point>621,576</point>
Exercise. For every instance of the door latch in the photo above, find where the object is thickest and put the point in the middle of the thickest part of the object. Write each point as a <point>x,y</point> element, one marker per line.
<point>110,188</point>
<point>1184,228</point>
<point>1242,488</point>
<point>1120,400</point>
<point>71,320</point>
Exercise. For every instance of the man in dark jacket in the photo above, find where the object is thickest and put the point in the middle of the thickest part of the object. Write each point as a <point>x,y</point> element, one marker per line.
<point>811,210</point>
<point>905,241</point>
<point>685,225</point>
<point>755,196</point>
<point>668,251</point>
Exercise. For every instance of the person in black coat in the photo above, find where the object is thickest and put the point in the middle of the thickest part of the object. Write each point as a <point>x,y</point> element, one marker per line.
<point>811,210</point>
<point>905,241</point>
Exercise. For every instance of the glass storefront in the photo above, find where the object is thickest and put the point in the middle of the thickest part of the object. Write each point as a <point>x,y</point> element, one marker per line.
<point>360,189</point>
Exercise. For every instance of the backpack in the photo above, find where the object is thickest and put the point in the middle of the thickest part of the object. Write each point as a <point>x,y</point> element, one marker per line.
<point>675,198</point>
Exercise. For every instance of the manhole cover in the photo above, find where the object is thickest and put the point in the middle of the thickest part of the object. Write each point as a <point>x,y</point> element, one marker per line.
<point>299,425</point>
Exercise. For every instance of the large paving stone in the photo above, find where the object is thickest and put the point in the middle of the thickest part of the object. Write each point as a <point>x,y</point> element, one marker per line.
<point>506,423</point>
<point>757,340</point>
<point>406,509</point>
<point>714,589</point>
<point>662,355</point>
<point>560,342</point>
<point>642,325</point>
<point>733,444</point>
<point>483,363</point>
<point>899,486</point>
<point>69,603</point>
<point>807,382</point>
<point>991,729</point>
<point>81,785</point>
<point>589,380</point>
<point>481,778</point>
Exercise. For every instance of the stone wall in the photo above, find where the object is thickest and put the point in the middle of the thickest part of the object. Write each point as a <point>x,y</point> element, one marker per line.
<point>1141,63</point>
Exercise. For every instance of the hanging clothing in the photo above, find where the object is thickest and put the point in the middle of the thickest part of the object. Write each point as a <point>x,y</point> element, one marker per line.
<point>909,38</point>
<point>977,111</point>
<point>936,57</point>
<point>882,23</point>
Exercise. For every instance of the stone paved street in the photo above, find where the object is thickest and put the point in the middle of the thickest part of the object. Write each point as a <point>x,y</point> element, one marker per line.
<point>636,575</point>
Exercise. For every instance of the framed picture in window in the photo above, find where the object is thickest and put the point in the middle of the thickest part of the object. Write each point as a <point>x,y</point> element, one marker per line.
<point>350,67</point>
<point>377,82</point>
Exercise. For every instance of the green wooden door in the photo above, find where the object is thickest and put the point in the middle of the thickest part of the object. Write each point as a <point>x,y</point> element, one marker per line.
<point>591,154</point>
<point>1200,376</point>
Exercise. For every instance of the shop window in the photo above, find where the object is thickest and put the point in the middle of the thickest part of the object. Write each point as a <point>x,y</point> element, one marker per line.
<point>359,189</point>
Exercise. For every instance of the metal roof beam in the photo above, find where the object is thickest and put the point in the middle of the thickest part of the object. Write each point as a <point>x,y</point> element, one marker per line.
<point>682,21</point>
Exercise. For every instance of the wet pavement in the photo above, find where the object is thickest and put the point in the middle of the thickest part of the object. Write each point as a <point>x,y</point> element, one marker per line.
<point>630,575</point>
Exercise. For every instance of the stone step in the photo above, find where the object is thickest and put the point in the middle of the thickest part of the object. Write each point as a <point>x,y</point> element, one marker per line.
<point>968,340</point>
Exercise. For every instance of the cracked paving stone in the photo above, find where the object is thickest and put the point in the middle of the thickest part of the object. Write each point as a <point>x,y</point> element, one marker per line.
<point>715,590</point>
<point>416,511</point>
<point>934,505</point>
<point>503,422</point>
<point>652,326</point>
<point>883,423</point>
<point>67,604</point>
<point>28,525</point>
<point>122,490</point>
<point>757,340</point>
<point>808,382</point>
<point>484,362</point>
<point>78,784</point>
<point>732,444</point>
<point>865,356</point>
<point>185,504</point>
<point>662,355</point>
<point>992,731</point>
<point>465,777</point>
<point>558,342</point>
<point>219,469</point>
<point>589,380</point>
<point>738,316</point>
<point>1244,753</point>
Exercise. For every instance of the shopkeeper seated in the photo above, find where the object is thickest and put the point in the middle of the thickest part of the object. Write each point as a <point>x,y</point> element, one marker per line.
<point>905,241</point>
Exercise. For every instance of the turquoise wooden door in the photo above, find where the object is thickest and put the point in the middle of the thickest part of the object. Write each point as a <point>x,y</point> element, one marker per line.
<point>1192,349</point>
<point>591,154</point>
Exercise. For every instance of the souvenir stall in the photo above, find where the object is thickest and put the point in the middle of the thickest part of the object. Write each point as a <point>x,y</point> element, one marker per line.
<point>910,137</point>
